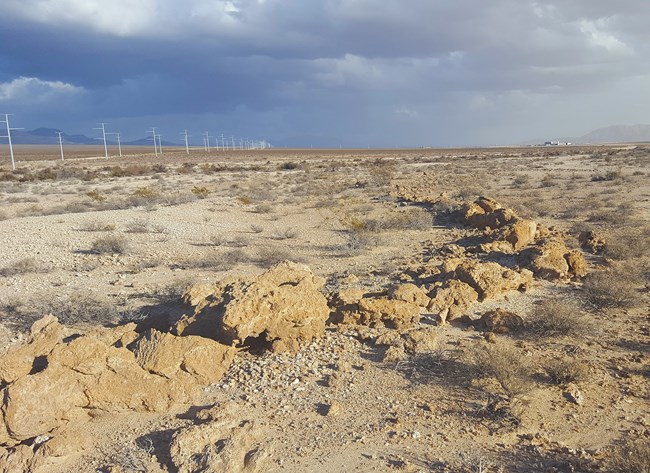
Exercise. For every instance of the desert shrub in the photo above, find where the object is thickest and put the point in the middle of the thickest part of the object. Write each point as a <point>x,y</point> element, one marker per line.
<point>239,242</point>
<point>96,196</point>
<point>566,371</point>
<point>23,266</point>
<point>244,199</point>
<point>608,176</point>
<point>218,261</point>
<point>200,192</point>
<point>97,226</point>
<point>629,244</point>
<point>131,170</point>
<point>159,168</point>
<point>617,287</point>
<point>110,244</point>
<point>521,180</point>
<point>289,166</point>
<point>556,318</point>
<point>83,307</point>
<point>632,457</point>
<point>218,240</point>
<point>547,181</point>
<point>139,225</point>
<point>256,228</point>
<point>615,217</point>
<point>267,256</point>
<point>263,208</point>
<point>286,234</point>
<point>505,365</point>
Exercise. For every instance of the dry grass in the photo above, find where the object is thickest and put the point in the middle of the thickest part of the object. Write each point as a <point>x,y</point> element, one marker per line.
<point>616,288</point>
<point>632,457</point>
<point>564,371</point>
<point>110,244</point>
<point>23,266</point>
<point>557,318</point>
<point>507,366</point>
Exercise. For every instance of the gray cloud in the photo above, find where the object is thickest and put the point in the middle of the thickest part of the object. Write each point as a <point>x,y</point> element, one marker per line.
<point>386,72</point>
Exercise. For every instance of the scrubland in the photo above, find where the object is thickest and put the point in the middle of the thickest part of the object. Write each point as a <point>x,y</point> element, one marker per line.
<point>480,310</point>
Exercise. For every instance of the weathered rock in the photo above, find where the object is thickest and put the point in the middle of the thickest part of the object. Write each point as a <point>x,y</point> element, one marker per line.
<point>383,312</point>
<point>45,334</point>
<point>345,306</point>
<point>551,259</point>
<point>491,279</point>
<point>394,355</point>
<point>519,233</point>
<point>283,303</point>
<point>167,355</point>
<point>573,394</point>
<point>451,300</point>
<point>409,293</point>
<point>486,213</point>
<point>592,242</point>
<point>222,443</point>
<point>499,321</point>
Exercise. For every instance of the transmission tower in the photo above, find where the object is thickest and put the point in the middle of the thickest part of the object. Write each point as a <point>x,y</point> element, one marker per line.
<point>11,146</point>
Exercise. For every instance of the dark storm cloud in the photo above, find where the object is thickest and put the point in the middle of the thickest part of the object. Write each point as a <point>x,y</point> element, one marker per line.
<point>420,69</point>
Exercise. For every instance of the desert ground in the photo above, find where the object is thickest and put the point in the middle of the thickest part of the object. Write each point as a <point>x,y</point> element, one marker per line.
<point>424,310</point>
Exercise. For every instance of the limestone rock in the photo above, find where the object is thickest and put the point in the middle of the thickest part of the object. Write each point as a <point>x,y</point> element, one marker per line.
<point>519,233</point>
<point>390,313</point>
<point>222,443</point>
<point>490,279</point>
<point>452,299</point>
<point>345,306</point>
<point>551,259</point>
<point>45,334</point>
<point>500,321</point>
<point>592,242</point>
<point>169,356</point>
<point>283,303</point>
<point>410,293</point>
<point>486,213</point>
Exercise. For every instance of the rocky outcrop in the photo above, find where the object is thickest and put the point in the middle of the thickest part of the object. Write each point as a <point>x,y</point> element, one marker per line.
<point>490,279</point>
<point>221,441</point>
<point>551,259</point>
<point>355,307</point>
<point>73,378</point>
<point>499,321</point>
<point>282,306</point>
<point>450,300</point>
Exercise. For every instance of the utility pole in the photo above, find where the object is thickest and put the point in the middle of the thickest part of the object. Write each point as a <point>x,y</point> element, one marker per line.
<point>119,143</point>
<point>60,133</point>
<point>11,146</point>
<point>159,143</point>
<point>187,146</point>
<point>207,141</point>
<point>155,145</point>
<point>216,140</point>
<point>223,143</point>
<point>103,128</point>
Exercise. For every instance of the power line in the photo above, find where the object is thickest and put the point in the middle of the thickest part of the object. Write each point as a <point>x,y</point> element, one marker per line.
<point>60,133</point>
<point>103,128</point>
<point>187,146</point>
<point>11,146</point>
<point>155,145</point>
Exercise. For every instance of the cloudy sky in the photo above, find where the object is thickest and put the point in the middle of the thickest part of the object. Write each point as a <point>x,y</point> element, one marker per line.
<point>328,72</point>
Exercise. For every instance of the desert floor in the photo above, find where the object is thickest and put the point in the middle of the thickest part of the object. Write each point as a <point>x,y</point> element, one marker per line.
<point>100,242</point>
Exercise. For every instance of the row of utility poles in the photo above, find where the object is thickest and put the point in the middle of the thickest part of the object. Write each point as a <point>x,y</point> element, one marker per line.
<point>226,144</point>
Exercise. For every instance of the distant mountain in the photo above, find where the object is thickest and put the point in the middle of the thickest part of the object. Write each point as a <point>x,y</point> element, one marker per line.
<point>47,136</point>
<point>148,142</point>
<point>617,134</point>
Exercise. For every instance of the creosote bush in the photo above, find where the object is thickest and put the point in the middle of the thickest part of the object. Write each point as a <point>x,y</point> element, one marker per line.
<point>110,244</point>
<point>556,318</point>
<point>507,366</point>
<point>615,288</point>
<point>22,266</point>
<point>566,371</point>
<point>84,307</point>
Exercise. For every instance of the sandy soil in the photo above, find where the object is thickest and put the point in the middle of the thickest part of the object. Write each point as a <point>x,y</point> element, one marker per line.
<point>181,219</point>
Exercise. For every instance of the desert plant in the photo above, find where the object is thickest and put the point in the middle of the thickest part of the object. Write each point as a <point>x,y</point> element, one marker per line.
<point>617,287</point>
<point>286,234</point>
<point>547,181</point>
<point>83,307</point>
<point>505,365</point>
<point>556,318</point>
<point>200,192</point>
<point>97,226</point>
<point>267,256</point>
<point>22,266</point>
<point>263,208</point>
<point>110,244</point>
<point>566,371</point>
<point>631,457</point>
<point>139,225</point>
<point>96,196</point>
<point>218,240</point>
<point>257,228</point>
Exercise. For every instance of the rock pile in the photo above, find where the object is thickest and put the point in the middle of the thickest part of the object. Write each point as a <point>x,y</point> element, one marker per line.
<point>282,307</point>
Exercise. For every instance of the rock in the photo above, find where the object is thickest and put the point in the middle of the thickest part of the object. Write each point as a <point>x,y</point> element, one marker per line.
<point>417,340</point>
<point>592,242</point>
<point>409,293</point>
<point>222,443</point>
<point>491,279</point>
<point>573,394</point>
<point>284,303</point>
<point>169,356</point>
<point>452,299</point>
<point>519,233</point>
<point>345,306</point>
<point>45,334</point>
<point>500,321</point>
<point>551,259</point>
<point>486,213</point>
<point>394,355</point>
<point>383,312</point>
<point>333,408</point>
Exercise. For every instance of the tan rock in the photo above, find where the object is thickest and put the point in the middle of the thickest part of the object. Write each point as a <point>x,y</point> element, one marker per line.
<point>452,299</point>
<point>389,313</point>
<point>410,293</point>
<point>592,242</point>
<point>239,449</point>
<point>45,333</point>
<point>167,355</point>
<point>394,355</point>
<point>551,259</point>
<point>283,303</point>
<point>500,321</point>
<point>519,233</point>
<point>345,306</point>
<point>490,279</point>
